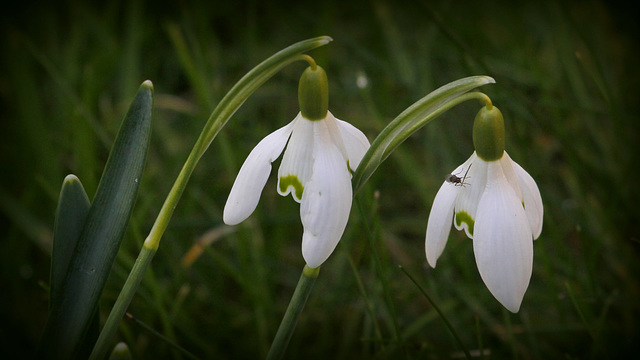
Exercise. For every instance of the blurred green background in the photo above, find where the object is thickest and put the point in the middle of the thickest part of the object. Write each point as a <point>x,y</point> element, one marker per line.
<point>566,76</point>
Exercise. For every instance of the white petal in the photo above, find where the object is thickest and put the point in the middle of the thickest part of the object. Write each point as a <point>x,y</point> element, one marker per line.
<point>510,174</point>
<point>326,201</point>
<point>503,244</point>
<point>355,142</point>
<point>439,223</point>
<point>331,123</point>
<point>470,191</point>
<point>296,167</point>
<point>253,175</point>
<point>531,198</point>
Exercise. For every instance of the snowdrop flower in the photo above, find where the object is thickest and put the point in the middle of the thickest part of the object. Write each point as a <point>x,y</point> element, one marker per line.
<point>321,152</point>
<point>498,205</point>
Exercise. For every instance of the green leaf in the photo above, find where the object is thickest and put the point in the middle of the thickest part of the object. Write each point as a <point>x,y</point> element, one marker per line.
<point>411,120</point>
<point>73,207</point>
<point>72,211</point>
<point>72,311</point>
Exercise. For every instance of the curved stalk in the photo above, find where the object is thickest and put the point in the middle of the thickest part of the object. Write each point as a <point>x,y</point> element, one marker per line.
<point>219,117</point>
<point>415,117</point>
<point>290,319</point>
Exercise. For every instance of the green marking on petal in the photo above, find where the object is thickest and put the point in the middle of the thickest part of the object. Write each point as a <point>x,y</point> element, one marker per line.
<point>351,171</point>
<point>464,217</point>
<point>291,180</point>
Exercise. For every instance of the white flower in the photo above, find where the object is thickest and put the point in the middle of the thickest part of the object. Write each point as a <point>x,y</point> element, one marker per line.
<point>315,169</point>
<point>498,205</point>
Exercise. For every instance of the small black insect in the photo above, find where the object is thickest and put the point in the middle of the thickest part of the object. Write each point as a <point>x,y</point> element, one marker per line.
<point>456,180</point>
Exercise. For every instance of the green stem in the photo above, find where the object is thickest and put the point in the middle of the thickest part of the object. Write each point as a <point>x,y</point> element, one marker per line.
<point>415,117</point>
<point>290,319</point>
<point>120,307</point>
<point>219,117</point>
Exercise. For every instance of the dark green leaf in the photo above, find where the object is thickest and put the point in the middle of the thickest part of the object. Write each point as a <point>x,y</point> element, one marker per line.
<point>73,207</point>
<point>72,211</point>
<point>71,312</point>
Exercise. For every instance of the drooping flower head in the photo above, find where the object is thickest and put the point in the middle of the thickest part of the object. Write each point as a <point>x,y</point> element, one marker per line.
<point>321,152</point>
<point>498,205</point>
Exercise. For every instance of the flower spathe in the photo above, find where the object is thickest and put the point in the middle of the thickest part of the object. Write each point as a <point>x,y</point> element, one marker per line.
<point>498,205</point>
<point>315,169</point>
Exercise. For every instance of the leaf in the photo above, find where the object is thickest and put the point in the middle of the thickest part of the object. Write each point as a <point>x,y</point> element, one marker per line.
<point>72,211</point>
<point>73,309</point>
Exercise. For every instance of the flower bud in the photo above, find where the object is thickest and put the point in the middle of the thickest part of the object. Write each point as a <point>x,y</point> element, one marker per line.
<point>313,93</point>
<point>488,134</point>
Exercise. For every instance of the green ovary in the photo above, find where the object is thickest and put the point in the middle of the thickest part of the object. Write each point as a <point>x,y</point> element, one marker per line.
<point>291,180</point>
<point>464,217</point>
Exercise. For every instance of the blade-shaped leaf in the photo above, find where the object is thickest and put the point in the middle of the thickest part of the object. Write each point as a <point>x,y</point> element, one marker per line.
<point>73,207</point>
<point>72,211</point>
<point>72,311</point>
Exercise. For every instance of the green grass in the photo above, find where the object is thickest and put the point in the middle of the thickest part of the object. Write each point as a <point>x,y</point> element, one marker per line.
<point>566,80</point>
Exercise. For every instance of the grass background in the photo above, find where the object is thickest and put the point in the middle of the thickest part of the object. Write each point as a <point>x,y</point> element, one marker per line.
<point>566,83</point>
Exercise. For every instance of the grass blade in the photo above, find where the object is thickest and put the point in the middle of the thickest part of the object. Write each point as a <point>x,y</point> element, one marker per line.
<point>444,318</point>
<point>162,337</point>
<point>106,222</point>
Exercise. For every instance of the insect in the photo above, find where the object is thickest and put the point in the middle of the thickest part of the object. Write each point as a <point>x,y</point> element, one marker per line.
<point>456,180</point>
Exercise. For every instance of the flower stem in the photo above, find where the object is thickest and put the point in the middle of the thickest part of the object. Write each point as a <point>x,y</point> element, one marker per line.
<point>310,60</point>
<point>290,319</point>
<point>219,117</point>
<point>124,298</point>
<point>415,117</point>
